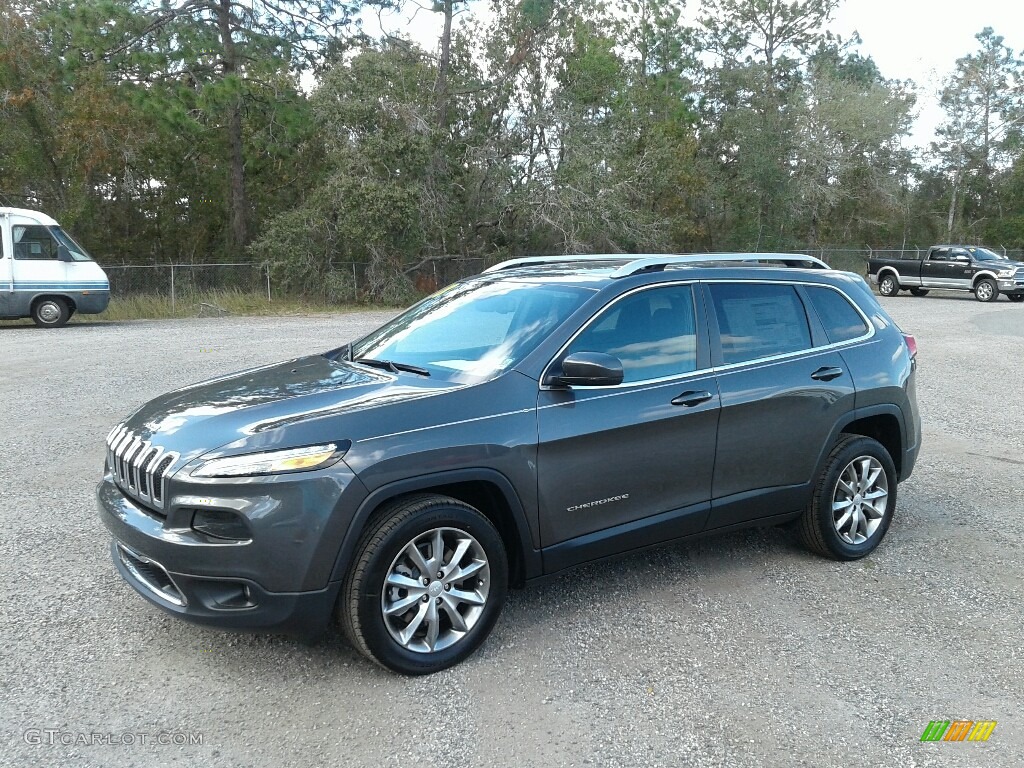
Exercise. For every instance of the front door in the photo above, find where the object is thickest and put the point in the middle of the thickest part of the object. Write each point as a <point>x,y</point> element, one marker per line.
<point>634,459</point>
<point>6,276</point>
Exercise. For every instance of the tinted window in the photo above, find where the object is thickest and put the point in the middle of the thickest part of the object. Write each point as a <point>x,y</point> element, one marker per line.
<point>33,242</point>
<point>841,320</point>
<point>758,320</point>
<point>652,332</point>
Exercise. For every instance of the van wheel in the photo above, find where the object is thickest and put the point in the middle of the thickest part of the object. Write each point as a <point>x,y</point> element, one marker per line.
<point>1015,297</point>
<point>918,291</point>
<point>888,286</point>
<point>986,290</point>
<point>50,313</point>
<point>428,582</point>
<point>853,500</point>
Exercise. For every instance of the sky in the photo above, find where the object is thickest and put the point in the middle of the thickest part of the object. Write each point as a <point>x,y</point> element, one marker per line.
<point>917,40</point>
<point>921,40</point>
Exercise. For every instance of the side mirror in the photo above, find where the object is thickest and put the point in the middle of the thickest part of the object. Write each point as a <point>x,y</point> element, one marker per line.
<point>63,253</point>
<point>589,369</point>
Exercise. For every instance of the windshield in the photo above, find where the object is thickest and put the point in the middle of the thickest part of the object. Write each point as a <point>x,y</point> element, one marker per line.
<point>78,253</point>
<point>984,254</point>
<point>470,332</point>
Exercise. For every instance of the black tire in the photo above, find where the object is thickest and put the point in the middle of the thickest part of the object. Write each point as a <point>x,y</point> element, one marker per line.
<point>1016,298</point>
<point>819,526</point>
<point>986,290</point>
<point>382,548</point>
<point>51,312</point>
<point>888,285</point>
<point>918,291</point>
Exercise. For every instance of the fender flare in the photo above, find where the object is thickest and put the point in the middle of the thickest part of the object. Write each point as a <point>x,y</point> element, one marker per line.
<point>532,564</point>
<point>886,269</point>
<point>881,409</point>
<point>981,275</point>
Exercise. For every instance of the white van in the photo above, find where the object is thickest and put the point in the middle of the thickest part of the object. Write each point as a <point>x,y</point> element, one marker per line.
<point>44,273</point>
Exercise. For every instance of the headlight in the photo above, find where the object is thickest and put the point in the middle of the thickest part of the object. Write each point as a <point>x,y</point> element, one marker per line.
<point>271,462</point>
<point>1006,272</point>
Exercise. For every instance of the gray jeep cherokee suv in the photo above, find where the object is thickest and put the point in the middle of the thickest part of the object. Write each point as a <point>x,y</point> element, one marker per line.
<point>546,413</point>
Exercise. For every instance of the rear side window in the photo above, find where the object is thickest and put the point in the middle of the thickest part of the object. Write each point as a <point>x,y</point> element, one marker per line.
<point>759,320</point>
<point>842,322</point>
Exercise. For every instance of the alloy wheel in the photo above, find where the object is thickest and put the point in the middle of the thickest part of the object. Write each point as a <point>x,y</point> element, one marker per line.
<point>860,500</point>
<point>435,590</point>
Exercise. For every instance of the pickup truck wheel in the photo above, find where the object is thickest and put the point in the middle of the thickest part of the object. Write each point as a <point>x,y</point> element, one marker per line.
<point>853,500</point>
<point>428,582</point>
<point>888,286</point>
<point>918,291</point>
<point>50,313</point>
<point>986,290</point>
<point>1015,297</point>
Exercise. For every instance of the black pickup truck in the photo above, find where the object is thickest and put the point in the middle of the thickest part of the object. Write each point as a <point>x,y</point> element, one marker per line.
<point>950,267</point>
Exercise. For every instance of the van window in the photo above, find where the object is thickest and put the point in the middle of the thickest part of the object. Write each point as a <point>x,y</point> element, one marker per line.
<point>842,322</point>
<point>33,242</point>
<point>759,320</point>
<point>652,332</point>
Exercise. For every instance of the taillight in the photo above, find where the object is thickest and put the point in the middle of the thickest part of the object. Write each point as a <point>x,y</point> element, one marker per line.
<point>911,343</point>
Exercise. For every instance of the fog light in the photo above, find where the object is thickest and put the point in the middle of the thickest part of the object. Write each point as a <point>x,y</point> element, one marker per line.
<point>221,524</point>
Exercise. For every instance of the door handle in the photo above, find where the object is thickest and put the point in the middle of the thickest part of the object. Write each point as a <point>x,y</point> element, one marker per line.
<point>827,373</point>
<point>691,398</point>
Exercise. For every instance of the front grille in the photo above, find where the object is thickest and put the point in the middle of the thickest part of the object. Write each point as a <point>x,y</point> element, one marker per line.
<point>139,468</point>
<point>150,574</point>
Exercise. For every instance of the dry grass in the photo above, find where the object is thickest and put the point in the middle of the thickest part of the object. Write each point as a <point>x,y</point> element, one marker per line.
<point>210,304</point>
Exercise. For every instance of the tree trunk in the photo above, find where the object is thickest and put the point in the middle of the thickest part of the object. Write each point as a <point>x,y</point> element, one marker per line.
<point>443,65</point>
<point>238,203</point>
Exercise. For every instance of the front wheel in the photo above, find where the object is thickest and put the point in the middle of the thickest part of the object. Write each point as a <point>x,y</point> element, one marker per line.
<point>51,313</point>
<point>888,286</point>
<point>1015,297</point>
<point>853,500</point>
<point>918,291</point>
<point>427,585</point>
<point>986,290</point>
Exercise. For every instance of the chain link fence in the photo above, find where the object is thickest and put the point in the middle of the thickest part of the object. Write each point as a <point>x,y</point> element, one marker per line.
<point>192,283</point>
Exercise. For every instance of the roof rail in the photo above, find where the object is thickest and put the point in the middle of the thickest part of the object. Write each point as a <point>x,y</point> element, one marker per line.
<point>654,262</point>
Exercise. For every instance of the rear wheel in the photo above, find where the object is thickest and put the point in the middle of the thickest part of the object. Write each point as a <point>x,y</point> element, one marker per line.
<point>918,291</point>
<point>986,290</point>
<point>428,583</point>
<point>888,286</point>
<point>50,312</point>
<point>853,501</point>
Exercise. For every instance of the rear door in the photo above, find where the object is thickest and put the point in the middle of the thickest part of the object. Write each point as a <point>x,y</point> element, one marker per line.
<point>783,387</point>
<point>640,454</point>
<point>935,269</point>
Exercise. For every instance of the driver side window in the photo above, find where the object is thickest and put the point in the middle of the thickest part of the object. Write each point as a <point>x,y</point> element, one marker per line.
<point>33,242</point>
<point>652,332</point>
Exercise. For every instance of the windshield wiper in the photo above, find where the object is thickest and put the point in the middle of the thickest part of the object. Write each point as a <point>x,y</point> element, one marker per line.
<point>391,365</point>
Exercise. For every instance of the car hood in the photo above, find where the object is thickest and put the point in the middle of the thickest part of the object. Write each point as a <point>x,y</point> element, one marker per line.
<point>260,401</point>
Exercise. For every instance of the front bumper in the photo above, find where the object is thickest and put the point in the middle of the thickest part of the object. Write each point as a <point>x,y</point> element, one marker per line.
<point>225,603</point>
<point>1011,286</point>
<point>278,579</point>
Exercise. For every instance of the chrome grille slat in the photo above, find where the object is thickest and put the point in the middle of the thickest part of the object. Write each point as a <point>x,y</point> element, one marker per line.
<point>139,468</point>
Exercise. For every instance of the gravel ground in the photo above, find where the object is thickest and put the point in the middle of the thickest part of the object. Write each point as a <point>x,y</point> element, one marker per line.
<point>742,650</point>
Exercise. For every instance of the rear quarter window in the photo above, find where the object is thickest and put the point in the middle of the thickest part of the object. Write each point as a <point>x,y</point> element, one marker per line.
<point>841,321</point>
<point>758,320</point>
